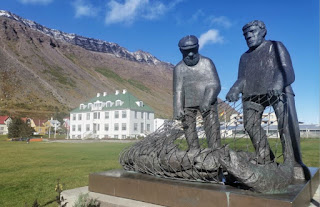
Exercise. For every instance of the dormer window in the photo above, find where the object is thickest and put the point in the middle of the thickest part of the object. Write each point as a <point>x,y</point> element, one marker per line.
<point>118,103</point>
<point>82,106</point>
<point>109,104</point>
<point>139,103</point>
<point>97,105</point>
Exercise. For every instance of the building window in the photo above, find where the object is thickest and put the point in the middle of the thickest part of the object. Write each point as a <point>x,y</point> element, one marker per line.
<point>118,103</point>
<point>135,126</point>
<point>73,128</point>
<point>123,136</point>
<point>148,127</point>
<point>1,128</point>
<point>88,116</point>
<point>108,104</point>
<point>124,127</point>
<point>106,115</point>
<point>79,116</point>
<point>116,136</point>
<point>96,115</point>
<point>148,116</point>
<point>106,127</point>
<point>88,127</point>
<point>116,127</point>
<point>141,130</point>
<point>135,114</point>
<point>141,115</point>
<point>79,128</point>
<point>116,114</point>
<point>74,117</point>
<point>124,114</point>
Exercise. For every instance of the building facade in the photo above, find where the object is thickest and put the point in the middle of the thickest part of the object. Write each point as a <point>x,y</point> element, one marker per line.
<point>4,124</point>
<point>120,115</point>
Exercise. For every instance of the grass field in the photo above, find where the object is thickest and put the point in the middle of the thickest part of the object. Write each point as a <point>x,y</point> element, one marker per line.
<point>30,171</point>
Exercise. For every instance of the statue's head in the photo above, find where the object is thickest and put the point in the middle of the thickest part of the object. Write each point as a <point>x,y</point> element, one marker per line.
<point>189,48</point>
<point>254,32</point>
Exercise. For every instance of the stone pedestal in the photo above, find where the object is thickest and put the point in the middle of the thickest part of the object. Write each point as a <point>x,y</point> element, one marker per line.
<point>177,193</point>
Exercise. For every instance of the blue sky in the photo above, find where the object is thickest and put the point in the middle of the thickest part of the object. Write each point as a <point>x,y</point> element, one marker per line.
<point>156,26</point>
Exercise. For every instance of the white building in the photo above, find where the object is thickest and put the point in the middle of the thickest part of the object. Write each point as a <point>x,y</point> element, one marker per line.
<point>267,118</point>
<point>4,124</point>
<point>120,115</point>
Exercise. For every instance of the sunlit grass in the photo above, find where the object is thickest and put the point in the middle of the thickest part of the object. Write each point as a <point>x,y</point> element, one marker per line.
<point>30,171</point>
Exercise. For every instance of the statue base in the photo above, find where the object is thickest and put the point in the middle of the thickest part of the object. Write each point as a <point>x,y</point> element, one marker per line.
<point>167,192</point>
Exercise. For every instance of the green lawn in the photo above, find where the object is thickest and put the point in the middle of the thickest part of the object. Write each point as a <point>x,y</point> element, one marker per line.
<point>30,171</point>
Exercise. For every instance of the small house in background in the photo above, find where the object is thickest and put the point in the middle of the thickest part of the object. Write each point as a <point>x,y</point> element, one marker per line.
<point>118,115</point>
<point>4,124</point>
<point>39,126</point>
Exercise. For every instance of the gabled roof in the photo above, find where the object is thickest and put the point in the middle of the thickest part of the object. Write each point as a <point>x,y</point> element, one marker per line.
<point>129,102</point>
<point>39,122</point>
<point>3,119</point>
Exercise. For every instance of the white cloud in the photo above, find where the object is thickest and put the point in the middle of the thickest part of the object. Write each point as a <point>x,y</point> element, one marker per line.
<point>83,8</point>
<point>36,1</point>
<point>221,21</point>
<point>211,36</point>
<point>131,10</point>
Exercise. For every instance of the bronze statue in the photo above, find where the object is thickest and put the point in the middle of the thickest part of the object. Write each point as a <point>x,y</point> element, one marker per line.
<point>264,79</point>
<point>196,86</point>
<point>265,76</point>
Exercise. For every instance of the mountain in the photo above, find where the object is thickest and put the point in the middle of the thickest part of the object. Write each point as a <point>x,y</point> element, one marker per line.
<point>88,43</point>
<point>44,71</point>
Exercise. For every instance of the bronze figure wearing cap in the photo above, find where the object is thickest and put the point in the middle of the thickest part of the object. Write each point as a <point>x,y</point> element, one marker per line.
<point>196,86</point>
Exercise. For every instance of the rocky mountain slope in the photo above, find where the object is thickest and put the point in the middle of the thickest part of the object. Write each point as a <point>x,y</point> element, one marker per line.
<point>42,72</point>
<point>88,43</point>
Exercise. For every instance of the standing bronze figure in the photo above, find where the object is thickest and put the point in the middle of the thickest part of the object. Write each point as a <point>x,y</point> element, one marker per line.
<point>264,79</point>
<point>196,86</point>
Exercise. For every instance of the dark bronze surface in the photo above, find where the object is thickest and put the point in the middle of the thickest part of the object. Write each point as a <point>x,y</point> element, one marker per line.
<point>175,193</point>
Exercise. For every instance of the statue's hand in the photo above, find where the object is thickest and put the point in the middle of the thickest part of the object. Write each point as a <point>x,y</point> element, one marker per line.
<point>277,91</point>
<point>179,114</point>
<point>204,107</point>
<point>232,96</point>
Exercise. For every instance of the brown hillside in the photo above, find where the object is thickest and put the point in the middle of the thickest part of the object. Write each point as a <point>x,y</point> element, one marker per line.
<point>41,75</point>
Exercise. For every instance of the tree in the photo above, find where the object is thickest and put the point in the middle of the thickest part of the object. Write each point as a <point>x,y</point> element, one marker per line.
<point>18,128</point>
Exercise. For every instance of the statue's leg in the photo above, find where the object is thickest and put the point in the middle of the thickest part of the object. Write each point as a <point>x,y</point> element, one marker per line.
<point>290,128</point>
<point>252,116</point>
<point>189,127</point>
<point>212,126</point>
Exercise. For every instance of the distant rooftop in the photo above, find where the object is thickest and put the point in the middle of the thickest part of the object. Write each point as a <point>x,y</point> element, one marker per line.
<point>115,101</point>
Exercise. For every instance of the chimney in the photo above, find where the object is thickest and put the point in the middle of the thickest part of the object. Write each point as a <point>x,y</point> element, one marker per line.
<point>117,92</point>
<point>104,93</point>
<point>98,94</point>
<point>124,91</point>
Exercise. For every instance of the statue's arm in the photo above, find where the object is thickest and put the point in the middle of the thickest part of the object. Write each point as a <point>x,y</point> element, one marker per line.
<point>178,93</point>
<point>237,88</point>
<point>212,89</point>
<point>284,75</point>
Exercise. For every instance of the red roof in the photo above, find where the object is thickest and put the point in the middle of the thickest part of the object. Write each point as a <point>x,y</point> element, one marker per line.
<point>3,119</point>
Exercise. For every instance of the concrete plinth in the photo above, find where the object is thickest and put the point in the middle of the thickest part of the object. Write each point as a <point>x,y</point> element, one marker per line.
<point>72,195</point>
<point>159,191</point>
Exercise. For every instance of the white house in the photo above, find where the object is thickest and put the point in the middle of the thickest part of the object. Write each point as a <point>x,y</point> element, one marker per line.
<point>4,124</point>
<point>120,115</point>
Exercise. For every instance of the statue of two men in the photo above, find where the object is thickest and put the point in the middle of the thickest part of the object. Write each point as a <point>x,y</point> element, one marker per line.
<point>264,79</point>
<point>196,86</point>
